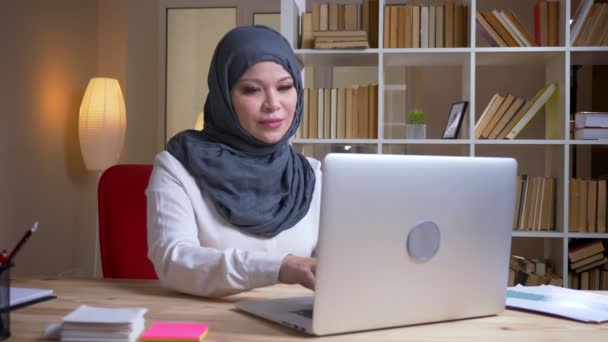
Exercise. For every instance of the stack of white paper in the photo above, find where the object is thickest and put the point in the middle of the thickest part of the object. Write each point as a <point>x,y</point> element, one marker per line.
<point>89,323</point>
<point>575,304</point>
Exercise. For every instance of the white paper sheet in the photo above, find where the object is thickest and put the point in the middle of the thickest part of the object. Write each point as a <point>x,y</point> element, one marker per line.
<point>574,304</point>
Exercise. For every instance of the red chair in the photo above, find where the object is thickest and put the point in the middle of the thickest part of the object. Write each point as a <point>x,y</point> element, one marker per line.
<point>122,222</point>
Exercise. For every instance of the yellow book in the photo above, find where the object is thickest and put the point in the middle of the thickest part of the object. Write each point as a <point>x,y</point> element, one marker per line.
<point>601,206</point>
<point>591,206</point>
<point>349,114</point>
<point>539,100</point>
<point>504,120</point>
<point>487,114</point>
<point>573,205</point>
<point>500,112</point>
<point>341,114</point>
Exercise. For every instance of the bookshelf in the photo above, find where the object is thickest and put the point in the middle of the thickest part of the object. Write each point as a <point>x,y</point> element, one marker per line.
<point>473,73</point>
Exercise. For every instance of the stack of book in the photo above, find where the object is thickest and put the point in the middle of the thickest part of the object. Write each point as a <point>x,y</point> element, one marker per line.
<point>589,25</point>
<point>506,115</point>
<point>425,26</point>
<point>534,203</point>
<point>336,17</point>
<point>340,39</point>
<point>89,323</point>
<point>591,125</point>
<point>588,265</point>
<point>503,29</point>
<point>340,113</point>
<point>587,211</point>
<point>531,272</point>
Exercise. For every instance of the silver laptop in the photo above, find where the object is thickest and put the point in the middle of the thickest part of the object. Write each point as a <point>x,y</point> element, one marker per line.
<point>405,240</point>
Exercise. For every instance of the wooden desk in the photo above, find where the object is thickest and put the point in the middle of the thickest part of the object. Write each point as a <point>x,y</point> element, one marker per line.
<point>227,324</point>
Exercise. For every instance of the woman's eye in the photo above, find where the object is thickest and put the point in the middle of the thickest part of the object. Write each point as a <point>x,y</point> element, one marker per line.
<point>250,90</point>
<point>286,87</point>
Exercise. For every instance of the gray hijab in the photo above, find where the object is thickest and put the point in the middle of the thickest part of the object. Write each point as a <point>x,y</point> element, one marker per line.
<point>260,188</point>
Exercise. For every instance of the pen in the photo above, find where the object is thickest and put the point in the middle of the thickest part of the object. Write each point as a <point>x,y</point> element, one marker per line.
<point>25,237</point>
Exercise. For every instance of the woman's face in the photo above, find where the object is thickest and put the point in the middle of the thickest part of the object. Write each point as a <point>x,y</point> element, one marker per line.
<point>264,100</point>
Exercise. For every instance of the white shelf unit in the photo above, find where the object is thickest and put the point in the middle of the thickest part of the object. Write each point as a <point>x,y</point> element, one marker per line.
<point>543,147</point>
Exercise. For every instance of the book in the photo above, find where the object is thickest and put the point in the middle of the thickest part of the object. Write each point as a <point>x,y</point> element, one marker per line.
<point>549,299</point>
<point>424,26</point>
<point>320,113</point>
<point>579,17</point>
<point>591,205</point>
<point>387,24</point>
<point>506,23</point>
<point>518,200</point>
<point>552,22</point>
<point>587,261</point>
<point>582,207</point>
<point>307,29</point>
<point>439,29</point>
<point>498,115</point>
<point>540,23</point>
<point>525,199</point>
<point>372,33</point>
<point>333,125</point>
<point>326,130</point>
<point>517,23</point>
<point>348,33</point>
<point>573,205</point>
<point>594,264</point>
<point>175,331</point>
<point>416,26</point>
<point>497,26</point>
<point>449,23</point>
<point>581,249</point>
<point>358,44</point>
<point>25,296</point>
<point>591,120</point>
<point>590,133</point>
<point>487,114</point>
<point>539,100</point>
<point>601,205</point>
<point>488,32</point>
<point>401,27</point>
<point>324,17</point>
<point>341,114</point>
<point>506,117</point>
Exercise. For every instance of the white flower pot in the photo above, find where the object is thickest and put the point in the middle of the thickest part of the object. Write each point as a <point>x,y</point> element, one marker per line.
<point>415,131</point>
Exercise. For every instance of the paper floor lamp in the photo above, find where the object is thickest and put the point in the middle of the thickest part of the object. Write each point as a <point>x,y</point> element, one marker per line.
<point>101,130</point>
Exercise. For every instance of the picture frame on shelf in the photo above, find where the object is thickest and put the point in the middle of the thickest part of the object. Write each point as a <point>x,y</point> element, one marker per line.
<point>455,118</point>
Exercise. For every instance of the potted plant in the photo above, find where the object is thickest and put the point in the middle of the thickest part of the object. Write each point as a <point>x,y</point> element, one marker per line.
<point>415,127</point>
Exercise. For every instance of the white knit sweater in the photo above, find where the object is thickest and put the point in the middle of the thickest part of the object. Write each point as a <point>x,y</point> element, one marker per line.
<point>194,250</point>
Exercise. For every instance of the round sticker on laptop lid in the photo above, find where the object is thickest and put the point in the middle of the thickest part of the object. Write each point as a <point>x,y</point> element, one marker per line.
<point>423,240</point>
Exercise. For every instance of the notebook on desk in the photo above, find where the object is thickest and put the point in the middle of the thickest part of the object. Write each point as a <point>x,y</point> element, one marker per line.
<point>405,240</point>
<point>25,296</point>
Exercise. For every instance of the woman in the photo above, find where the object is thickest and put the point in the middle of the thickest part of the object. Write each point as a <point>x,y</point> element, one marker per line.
<point>234,207</point>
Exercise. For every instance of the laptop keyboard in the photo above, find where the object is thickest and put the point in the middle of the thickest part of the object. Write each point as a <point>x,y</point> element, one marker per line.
<point>303,312</point>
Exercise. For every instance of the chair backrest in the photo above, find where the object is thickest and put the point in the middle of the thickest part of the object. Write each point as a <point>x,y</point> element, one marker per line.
<point>122,222</point>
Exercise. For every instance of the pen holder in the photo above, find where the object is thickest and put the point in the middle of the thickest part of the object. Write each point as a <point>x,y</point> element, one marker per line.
<point>5,301</point>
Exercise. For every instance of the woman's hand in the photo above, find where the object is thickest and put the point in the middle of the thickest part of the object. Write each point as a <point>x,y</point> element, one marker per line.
<point>298,270</point>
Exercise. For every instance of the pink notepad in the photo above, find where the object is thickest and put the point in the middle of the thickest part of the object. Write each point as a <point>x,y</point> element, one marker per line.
<point>174,331</point>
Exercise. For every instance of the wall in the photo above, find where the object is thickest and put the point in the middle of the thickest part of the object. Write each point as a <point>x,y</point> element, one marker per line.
<point>143,139</point>
<point>49,53</point>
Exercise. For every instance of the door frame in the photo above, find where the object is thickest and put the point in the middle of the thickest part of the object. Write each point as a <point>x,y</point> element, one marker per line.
<point>244,16</point>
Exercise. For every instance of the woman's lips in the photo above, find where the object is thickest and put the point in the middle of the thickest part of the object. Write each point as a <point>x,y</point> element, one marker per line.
<point>272,123</point>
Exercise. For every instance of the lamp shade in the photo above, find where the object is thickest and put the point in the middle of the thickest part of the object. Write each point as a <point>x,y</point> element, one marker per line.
<point>102,123</point>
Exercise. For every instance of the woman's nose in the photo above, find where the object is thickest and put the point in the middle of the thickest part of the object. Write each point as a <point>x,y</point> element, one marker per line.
<point>271,102</point>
